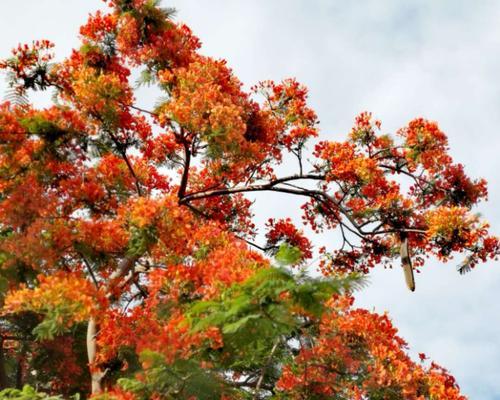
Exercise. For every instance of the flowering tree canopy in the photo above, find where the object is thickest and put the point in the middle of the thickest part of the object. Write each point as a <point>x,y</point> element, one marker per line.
<point>130,267</point>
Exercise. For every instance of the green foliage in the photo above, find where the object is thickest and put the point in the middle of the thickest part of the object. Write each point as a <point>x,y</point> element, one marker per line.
<point>39,126</point>
<point>202,252</point>
<point>29,393</point>
<point>140,240</point>
<point>13,95</point>
<point>146,78</point>
<point>48,328</point>
<point>52,135</point>
<point>57,320</point>
<point>256,314</point>
<point>184,379</point>
<point>288,255</point>
<point>259,320</point>
<point>4,286</point>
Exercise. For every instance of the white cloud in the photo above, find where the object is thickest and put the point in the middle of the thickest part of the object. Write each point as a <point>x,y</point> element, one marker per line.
<point>398,59</point>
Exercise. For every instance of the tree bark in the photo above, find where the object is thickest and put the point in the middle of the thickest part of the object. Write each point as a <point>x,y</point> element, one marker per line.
<point>96,374</point>
<point>19,370</point>
<point>3,374</point>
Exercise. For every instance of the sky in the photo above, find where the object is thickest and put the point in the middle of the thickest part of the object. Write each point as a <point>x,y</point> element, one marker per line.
<point>398,59</point>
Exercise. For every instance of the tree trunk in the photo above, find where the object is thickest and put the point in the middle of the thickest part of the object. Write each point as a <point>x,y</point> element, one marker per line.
<point>95,374</point>
<point>3,374</point>
<point>19,370</point>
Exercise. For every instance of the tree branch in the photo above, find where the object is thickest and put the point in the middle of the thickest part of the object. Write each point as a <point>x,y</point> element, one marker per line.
<point>264,368</point>
<point>185,172</point>
<point>311,193</point>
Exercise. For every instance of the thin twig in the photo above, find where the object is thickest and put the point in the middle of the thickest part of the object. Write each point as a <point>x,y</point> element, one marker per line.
<point>265,367</point>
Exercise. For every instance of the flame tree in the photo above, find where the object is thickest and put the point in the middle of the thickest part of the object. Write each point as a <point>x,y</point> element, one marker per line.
<point>130,267</point>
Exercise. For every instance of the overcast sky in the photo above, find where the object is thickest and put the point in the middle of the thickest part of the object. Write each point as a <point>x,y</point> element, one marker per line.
<point>400,60</point>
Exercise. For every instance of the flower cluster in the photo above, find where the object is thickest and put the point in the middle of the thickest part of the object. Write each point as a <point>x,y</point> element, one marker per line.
<point>359,355</point>
<point>425,144</point>
<point>29,65</point>
<point>64,298</point>
<point>284,231</point>
<point>136,219</point>
<point>206,99</point>
<point>288,102</point>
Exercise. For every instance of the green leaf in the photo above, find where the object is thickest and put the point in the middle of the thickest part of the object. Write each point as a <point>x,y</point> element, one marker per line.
<point>239,324</point>
<point>140,240</point>
<point>29,393</point>
<point>4,286</point>
<point>288,255</point>
<point>182,379</point>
